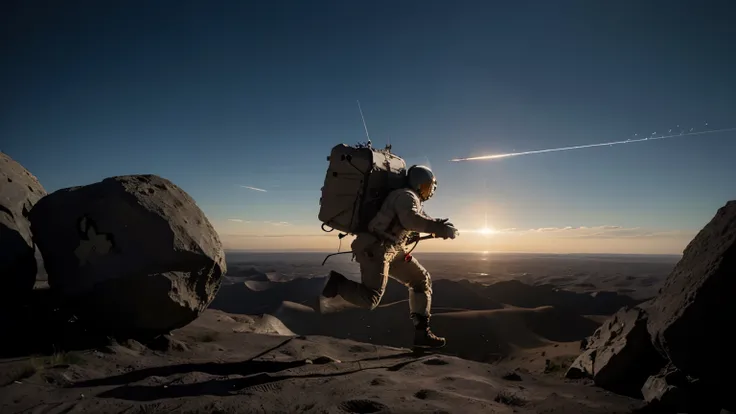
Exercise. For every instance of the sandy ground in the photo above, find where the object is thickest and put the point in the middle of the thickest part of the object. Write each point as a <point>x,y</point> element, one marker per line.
<point>224,363</point>
<point>481,323</point>
<point>513,328</point>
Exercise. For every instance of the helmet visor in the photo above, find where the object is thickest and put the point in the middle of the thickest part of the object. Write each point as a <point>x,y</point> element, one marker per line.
<point>426,190</point>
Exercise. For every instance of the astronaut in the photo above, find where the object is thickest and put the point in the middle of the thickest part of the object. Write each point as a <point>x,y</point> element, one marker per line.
<point>382,252</point>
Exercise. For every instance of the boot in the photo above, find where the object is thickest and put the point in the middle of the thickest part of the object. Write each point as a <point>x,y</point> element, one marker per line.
<point>423,336</point>
<point>329,291</point>
<point>333,284</point>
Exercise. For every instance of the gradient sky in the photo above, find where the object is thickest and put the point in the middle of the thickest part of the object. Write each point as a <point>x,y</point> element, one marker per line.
<point>216,96</point>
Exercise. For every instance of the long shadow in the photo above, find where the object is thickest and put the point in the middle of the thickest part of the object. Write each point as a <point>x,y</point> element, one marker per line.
<point>212,368</point>
<point>247,367</point>
<point>230,387</point>
<point>55,328</point>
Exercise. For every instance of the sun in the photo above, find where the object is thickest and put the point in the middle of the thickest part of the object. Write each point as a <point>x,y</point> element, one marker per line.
<point>486,230</point>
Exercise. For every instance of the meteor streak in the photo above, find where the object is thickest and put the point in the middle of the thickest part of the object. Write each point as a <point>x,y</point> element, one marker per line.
<point>253,188</point>
<point>628,141</point>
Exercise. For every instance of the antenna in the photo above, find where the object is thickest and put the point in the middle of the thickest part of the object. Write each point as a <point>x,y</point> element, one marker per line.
<point>364,125</point>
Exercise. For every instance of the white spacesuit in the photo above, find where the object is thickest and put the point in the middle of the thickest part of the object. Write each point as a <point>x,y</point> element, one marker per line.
<point>381,253</point>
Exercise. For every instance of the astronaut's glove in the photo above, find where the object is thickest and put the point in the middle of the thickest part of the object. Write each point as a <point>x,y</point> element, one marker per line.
<point>446,231</point>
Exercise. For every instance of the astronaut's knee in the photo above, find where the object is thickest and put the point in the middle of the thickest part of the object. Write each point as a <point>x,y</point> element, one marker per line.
<point>423,285</point>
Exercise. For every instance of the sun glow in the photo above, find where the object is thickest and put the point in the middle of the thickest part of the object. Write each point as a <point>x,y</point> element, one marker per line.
<point>485,231</point>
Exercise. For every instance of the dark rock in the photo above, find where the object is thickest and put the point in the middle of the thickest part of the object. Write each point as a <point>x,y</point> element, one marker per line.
<point>166,343</point>
<point>134,345</point>
<point>619,356</point>
<point>321,360</point>
<point>19,191</point>
<point>55,328</point>
<point>672,391</point>
<point>133,255</point>
<point>665,390</point>
<point>511,376</point>
<point>582,366</point>
<point>583,344</point>
<point>692,318</point>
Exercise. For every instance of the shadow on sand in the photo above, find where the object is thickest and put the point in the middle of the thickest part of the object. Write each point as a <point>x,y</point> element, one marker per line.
<point>45,325</point>
<point>255,374</point>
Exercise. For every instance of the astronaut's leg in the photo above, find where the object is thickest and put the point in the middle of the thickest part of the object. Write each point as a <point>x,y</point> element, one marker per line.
<point>374,263</point>
<point>415,277</point>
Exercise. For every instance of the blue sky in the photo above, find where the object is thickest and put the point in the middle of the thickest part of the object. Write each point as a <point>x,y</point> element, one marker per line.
<point>219,95</point>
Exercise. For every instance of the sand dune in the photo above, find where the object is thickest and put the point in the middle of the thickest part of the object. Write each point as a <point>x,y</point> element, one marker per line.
<point>239,298</point>
<point>486,335</point>
<point>256,297</point>
<point>537,328</point>
<point>503,320</point>
<point>240,272</point>
<point>213,366</point>
<point>251,274</point>
<point>516,293</point>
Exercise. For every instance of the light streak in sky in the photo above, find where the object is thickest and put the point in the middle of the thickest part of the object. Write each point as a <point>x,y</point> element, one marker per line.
<point>628,141</point>
<point>253,188</point>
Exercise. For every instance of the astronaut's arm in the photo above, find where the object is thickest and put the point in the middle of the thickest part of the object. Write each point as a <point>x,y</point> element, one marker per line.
<point>409,211</point>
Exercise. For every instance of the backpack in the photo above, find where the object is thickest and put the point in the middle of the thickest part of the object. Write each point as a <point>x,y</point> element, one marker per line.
<point>358,180</point>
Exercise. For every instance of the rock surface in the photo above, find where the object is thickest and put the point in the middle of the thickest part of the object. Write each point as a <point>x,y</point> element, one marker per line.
<point>671,391</point>
<point>619,356</point>
<point>694,315</point>
<point>19,191</point>
<point>667,390</point>
<point>132,254</point>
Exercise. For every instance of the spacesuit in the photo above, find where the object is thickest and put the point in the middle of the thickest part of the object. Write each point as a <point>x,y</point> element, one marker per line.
<point>381,253</point>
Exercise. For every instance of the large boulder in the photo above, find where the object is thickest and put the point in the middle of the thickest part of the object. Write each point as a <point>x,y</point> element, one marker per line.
<point>19,191</point>
<point>132,254</point>
<point>619,356</point>
<point>692,317</point>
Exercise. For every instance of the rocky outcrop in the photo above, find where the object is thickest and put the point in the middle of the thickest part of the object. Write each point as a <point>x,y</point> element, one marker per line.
<point>688,325</point>
<point>131,254</point>
<point>19,191</point>
<point>619,356</point>
<point>693,316</point>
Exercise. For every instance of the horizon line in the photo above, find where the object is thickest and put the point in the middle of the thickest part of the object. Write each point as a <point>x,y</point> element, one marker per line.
<point>286,251</point>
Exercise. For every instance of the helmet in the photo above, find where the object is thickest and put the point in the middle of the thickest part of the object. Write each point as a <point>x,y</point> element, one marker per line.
<point>421,179</point>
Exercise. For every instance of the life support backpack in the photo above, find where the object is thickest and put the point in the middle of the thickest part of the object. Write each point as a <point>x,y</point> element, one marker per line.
<point>358,180</point>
